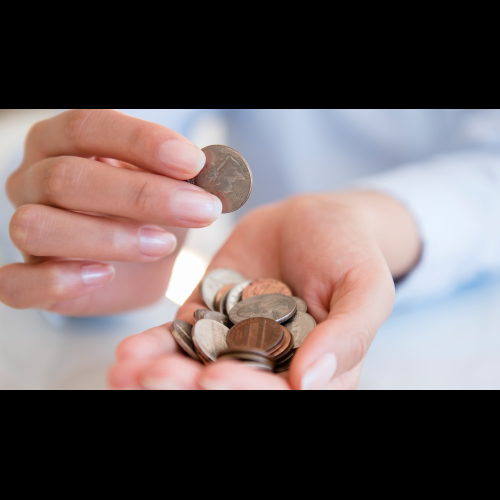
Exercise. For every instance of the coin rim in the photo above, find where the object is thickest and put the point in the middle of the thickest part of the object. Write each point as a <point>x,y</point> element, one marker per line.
<point>187,349</point>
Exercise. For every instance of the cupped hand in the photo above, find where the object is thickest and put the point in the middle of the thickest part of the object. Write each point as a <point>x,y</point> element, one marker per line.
<point>337,252</point>
<point>97,186</point>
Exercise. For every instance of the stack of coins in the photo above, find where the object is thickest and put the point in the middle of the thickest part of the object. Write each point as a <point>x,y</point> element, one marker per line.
<point>259,323</point>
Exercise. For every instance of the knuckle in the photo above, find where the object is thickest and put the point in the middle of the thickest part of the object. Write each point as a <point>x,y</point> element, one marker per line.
<point>146,196</point>
<point>57,179</point>
<point>34,134</point>
<point>24,227</point>
<point>78,123</point>
<point>360,345</point>
<point>55,289</point>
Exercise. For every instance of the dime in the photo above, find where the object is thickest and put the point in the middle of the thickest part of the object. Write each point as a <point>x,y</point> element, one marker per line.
<point>273,306</point>
<point>264,287</point>
<point>226,175</point>
<point>214,281</point>
<point>301,305</point>
<point>255,333</point>
<point>234,295</point>
<point>181,331</point>
<point>301,325</point>
<point>220,295</point>
<point>216,316</point>
<point>209,338</point>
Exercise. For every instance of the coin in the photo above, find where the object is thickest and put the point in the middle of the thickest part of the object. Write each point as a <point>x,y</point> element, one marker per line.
<point>226,175</point>
<point>220,294</point>
<point>235,295</point>
<point>181,331</point>
<point>248,356</point>
<point>301,305</point>
<point>300,326</point>
<point>223,303</point>
<point>273,306</point>
<point>285,349</point>
<point>209,338</point>
<point>214,281</point>
<point>216,316</point>
<point>255,333</point>
<point>264,287</point>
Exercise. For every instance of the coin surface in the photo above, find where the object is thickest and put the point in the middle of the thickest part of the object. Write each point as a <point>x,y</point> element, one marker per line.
<point>181,331</point>
<point>273,306</point>
<point>256,333</point>
<point>214,281</point>
<point>300,326</point>
<point>209,338</point>
<point>264,287</point>
<point>301,305</point>
<point>216,316</point>
<point>226,175</point>
<point>220,295</point>
<point>235,294</point>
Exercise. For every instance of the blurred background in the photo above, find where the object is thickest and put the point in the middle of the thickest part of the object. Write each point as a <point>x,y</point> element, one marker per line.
<point>452,343</point>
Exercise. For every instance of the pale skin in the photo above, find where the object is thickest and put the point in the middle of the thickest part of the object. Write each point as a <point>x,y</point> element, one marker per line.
<point>339,252</point>
<point>101,207</point>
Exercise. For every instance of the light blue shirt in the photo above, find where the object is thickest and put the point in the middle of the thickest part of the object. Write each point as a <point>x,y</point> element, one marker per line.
<point>444,165</point>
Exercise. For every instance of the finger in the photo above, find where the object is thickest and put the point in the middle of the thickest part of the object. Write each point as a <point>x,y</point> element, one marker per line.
<point>112,134</point>
<point>40,231</point>
<point>232,376</point>
<point>360,306</point>
<point>173,373</point>
<point>92,186</point>
<point>25,286</point>
<point>152,344</point>
<point>126,374</point>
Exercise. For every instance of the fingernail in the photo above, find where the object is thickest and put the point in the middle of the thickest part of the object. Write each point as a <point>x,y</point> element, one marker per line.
<point>156,242</point>
<point>196,206</point>
<point>97,274</point>
<point>157,384</point>
<point>212,385</point>
<point>320,374</point>
<point>182,156</point>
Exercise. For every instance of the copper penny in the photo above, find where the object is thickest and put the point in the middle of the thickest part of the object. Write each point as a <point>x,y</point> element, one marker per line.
<point>265,287</point>
<point>220,294</point>
<point>255,333</point>
<point>285,348</point>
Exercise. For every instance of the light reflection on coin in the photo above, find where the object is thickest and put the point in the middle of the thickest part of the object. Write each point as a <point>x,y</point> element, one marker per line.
<point>214,281</point>
<point>300,326</point>
<point>272,306</point>
<point>209,337</point>
<point>181,331</point>
<point>226,175</point>
<point>235,294</point>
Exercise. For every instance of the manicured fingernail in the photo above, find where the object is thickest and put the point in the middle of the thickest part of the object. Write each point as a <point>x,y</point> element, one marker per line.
<point>158,384</point>
<point>195,205</point>
<point>97,274</point>
<point>156,242</point>
<point>208,384</point>
<point>320,374</point>
<point>182,156</point>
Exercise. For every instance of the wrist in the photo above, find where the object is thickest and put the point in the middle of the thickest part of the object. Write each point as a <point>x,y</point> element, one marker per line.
<point>392,226</point>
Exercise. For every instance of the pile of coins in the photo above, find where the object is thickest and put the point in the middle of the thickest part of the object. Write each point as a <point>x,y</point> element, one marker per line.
<point>257,322</point>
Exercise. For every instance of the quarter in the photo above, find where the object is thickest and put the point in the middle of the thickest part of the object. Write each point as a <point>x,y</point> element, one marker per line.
<point>276,307</point>
<point>209,338</point>
<point>300,326</point>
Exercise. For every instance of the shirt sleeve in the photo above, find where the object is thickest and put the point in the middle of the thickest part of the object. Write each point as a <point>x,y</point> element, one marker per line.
<point>455,200</point>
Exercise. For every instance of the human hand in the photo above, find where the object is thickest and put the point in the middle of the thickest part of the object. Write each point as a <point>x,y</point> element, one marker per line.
<point>337,252</point>
<point>96,186</point>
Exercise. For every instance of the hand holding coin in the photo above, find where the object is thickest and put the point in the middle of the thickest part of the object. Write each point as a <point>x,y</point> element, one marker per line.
<point>325,249</point>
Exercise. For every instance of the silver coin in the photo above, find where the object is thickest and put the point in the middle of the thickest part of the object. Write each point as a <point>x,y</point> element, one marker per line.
<point>181,331</point>
<point>301,305</point>
<point>226,175</point>
<point>300,326</point>
<point>272,306</point>
<point>209,337</point>
<point>235,294</point>
<point>215,280</point>
<point>216,316</point>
